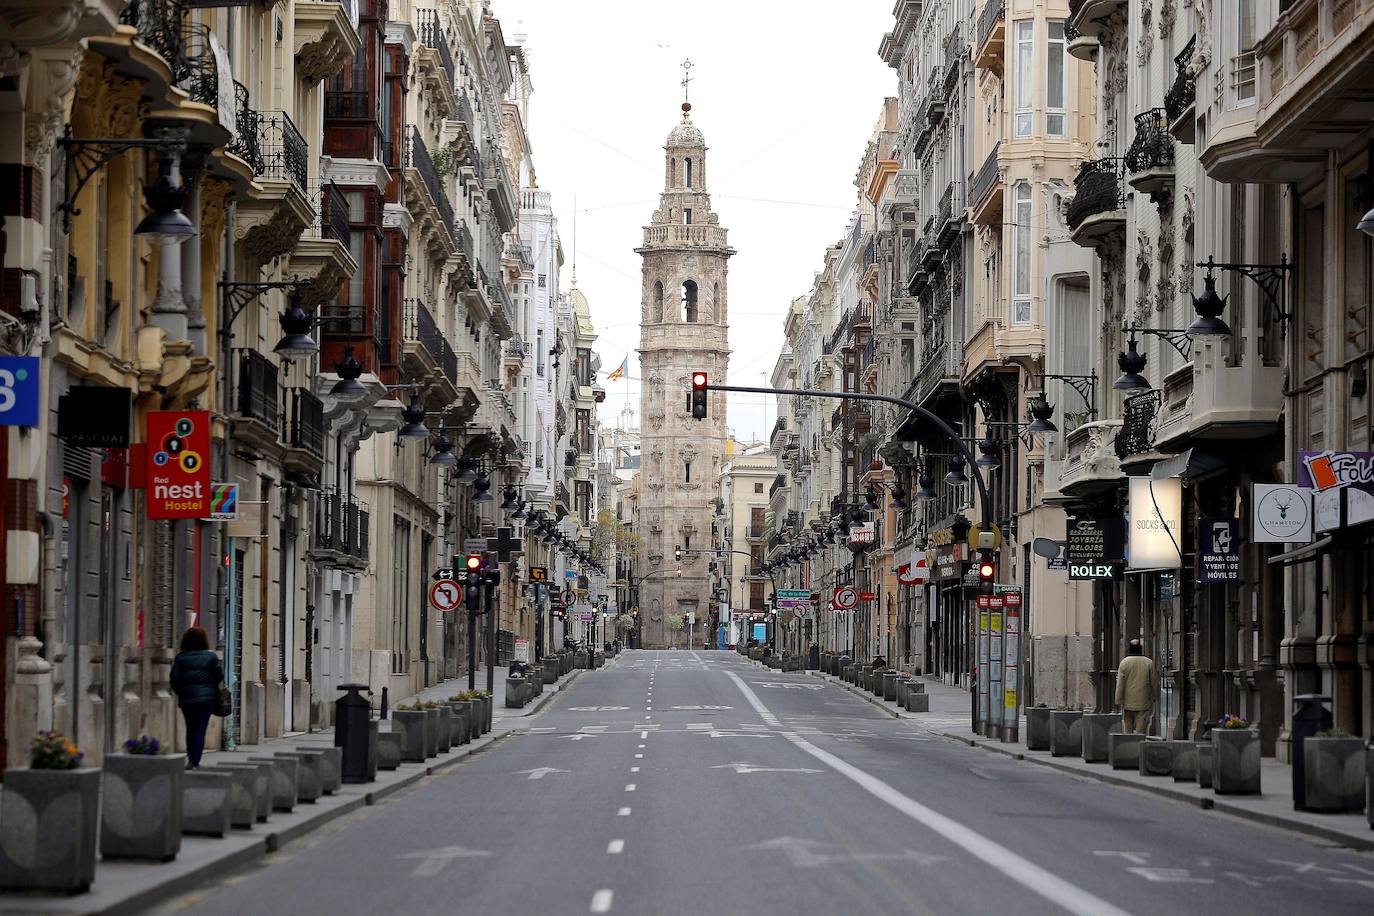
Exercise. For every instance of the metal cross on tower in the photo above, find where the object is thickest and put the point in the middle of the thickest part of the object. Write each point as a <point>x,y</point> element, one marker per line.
<point>686,77</point>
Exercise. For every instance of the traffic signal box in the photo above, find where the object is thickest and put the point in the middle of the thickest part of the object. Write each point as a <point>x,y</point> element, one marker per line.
<point>987,571</point>
<point>699,395</point>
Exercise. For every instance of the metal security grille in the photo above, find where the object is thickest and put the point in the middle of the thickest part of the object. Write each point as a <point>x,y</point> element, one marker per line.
<point>158,630</point>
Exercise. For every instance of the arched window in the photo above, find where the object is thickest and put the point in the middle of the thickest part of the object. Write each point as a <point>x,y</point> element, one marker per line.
<point>657,313</point>
<point>687,164</point>
<point>689,301</point>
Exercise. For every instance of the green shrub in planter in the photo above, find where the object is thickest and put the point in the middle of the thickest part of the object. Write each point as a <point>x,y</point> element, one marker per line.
<point>49,816</point>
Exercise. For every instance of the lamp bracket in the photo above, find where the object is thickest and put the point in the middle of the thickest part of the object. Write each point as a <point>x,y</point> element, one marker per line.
<point>87,155</point>
<point>237,295</point>
<point>1085,385</point>
<point>1177,338</point>
<point>1019,429</point>
<point>1268,277</point>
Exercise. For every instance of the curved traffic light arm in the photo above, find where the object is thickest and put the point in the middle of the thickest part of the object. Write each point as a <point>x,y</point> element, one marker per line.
<point>969,459</point>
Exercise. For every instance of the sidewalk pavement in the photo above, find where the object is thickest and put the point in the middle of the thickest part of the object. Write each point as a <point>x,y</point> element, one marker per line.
<point>950,716</point>
<point>131,886</point>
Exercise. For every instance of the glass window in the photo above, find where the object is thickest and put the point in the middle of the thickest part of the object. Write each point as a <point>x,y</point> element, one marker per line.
<point>1021,239</point>
<point>1055,79</point>
<point>1025,77</point>
<point>1243,63</point>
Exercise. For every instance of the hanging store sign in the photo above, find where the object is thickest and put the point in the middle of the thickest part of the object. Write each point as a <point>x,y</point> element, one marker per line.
<point>1282,514</point>
<point>1342,484</point>
<point>1156,526</point>
<point>19,388</point>
<point>948,563</point>
<point>912,568</point>
<point>1218,558</point>
<point>1095,548</point>
<point>862,534</point>
<point>94,416</point>
<point>224,502</point>
<point>178,456</point>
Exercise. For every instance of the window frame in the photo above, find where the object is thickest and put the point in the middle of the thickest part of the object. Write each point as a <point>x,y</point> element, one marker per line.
<point>1023,113</point>
<point>1021,299</point>
<point>1060,111</point>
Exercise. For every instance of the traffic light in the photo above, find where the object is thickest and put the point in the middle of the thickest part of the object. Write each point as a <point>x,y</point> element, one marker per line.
<point>987,570</point>
<point>677,554</point>
<point>471,575</point>
<point>699,395</point>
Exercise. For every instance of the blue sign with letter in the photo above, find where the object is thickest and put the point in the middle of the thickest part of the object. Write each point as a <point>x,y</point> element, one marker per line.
<point>19,378</point>
<point>761,632</point>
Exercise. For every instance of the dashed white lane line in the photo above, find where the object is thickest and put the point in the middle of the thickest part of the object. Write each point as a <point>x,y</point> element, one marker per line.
<point>615,847</point>
<point>634,769</point>
<point>623,812</point>
<point>629,787</point>
<point>639,756</point>
<point>601,900</point>
<point>643,736</point>
<point>1038,880</point>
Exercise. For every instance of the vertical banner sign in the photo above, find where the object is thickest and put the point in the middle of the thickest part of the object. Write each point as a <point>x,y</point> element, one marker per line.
<point>178,464</point>
<point>1156,523</point>
<point>1218,558</point>
<point>1012,662</point>
<point>983,674</point>
<point>995,647</point>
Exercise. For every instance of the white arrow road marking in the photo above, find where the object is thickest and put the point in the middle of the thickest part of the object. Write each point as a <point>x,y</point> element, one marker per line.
<point>786,686</point>
<point>601,901</point>
<point>804,853</point>
<point>1034,878</point>
<point>720,734</point>
<point>701,707</point>
<point>578,737</point>
<point>597,708</point>
<point>434,861</point>
<point>740,766</point>
<point>539,773</point>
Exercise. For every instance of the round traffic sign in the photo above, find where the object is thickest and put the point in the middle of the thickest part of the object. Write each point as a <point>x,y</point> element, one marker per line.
<point>845,598</point>
<point>445,595</point>
<point>568,596</point>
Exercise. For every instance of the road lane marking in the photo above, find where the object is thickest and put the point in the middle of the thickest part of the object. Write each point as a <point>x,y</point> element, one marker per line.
<point>615,847</point>
<point>539,773</point>
<point>639,756</point>
<point>629,787</point>
<point>634,769</point>
<point>623,812</point>
<point>601,901</point>
<point>434,861</point>
<point>643,735</point>
<point>1026,873</point>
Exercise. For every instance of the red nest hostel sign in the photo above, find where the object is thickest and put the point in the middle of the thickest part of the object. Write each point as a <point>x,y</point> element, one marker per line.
<point>178,465</point>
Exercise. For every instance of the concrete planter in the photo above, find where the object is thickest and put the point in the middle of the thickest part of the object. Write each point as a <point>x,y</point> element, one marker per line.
<point>308,786</point>
<point>551,672</point>
<point>1096,727</point>
<point>1183,767</point>
<point>580,658</point>
<point>1066,733</point>
<point>286,781</point>
<point>389,749</point>
<point>140,806</point>
<point>755,653</point>
<point>1123,750</point>
<point>433,724</point>
<point>48,829</point>
<point>205,802</point>
<point>1334,772</point>
<point>1204,764</point>
<point>889,685</point>
<point>515,692</point>
<point>598,659</point>
<point>447,729</point>
<point>1156,757</point>
<point>1236,761</point>
<point>243,798</point>
<point>460,721</point>
<point>1038,728</point>
<point>917,700</point>
<point>900,690</point>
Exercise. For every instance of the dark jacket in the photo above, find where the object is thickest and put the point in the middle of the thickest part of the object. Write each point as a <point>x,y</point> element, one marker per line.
<point>196,677</point>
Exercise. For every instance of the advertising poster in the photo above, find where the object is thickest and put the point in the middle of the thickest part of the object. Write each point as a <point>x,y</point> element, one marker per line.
<point>178,469</point>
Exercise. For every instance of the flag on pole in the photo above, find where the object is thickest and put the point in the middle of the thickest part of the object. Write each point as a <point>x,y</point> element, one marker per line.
<point>619,372</point>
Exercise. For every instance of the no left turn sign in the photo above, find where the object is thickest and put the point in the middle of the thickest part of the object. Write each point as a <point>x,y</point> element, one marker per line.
<point>844,599</point>
<point>445,595</point>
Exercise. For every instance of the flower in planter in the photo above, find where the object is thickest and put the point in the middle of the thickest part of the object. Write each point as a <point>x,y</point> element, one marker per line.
<point>51,750</point>
<point>143,745</point>
<point>1231,720</point>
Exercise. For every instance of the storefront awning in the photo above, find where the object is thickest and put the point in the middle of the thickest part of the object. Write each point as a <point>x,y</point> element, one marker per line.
<point>1301,554</point>
<point>1193,462</point>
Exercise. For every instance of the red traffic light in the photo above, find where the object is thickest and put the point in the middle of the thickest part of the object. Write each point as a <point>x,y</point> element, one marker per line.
<point>986,567</point>
<point>698,379</point>
<point>473,562</point>
<point>698,398</point>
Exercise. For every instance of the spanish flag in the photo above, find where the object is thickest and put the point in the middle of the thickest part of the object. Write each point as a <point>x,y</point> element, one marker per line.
<point>619,372</point>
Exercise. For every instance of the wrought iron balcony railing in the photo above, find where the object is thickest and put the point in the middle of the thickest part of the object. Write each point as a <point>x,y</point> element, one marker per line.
<point>158,25</point>
<point>432,35</point>
<point>1183,93</point>
<point>304,426</point>
<point>1137,434</point>
<point>1097,189</point>
<point>334,221</point>
<point>420,327</point>
<point>993,11</point>
<point>285,154</point>
<point>987,176</point>
<point>419,159</point>
<point>1153,146</point>
<point>257,389</point>
<point>199,74</point>
<point>247,143</point>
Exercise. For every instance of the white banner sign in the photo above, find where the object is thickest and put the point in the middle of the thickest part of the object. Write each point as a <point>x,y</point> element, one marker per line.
<point>1156,531</point>
<point>1282,514</point>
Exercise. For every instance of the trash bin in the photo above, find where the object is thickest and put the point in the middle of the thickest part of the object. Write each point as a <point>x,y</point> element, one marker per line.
<point>1310,716</point>
<point>352,715</point>
<point>813,658</point>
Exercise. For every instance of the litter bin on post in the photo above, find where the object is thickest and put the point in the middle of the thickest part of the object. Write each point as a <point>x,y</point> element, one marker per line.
<point>1310,716</point>
<point>354,733</point>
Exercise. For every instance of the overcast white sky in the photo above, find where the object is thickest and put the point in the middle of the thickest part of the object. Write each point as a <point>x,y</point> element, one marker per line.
<point>787,93</point>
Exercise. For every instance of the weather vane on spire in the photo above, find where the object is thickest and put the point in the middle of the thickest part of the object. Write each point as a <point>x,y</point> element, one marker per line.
<point>686,79</point>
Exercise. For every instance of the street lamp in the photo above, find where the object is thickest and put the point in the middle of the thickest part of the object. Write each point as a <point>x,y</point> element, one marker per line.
<point>414,416</point>
<point>348,388</point>
<point>296,342</point>
<point>442,454</point>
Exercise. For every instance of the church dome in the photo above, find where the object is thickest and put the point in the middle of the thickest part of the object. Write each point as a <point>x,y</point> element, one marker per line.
<point>686,134</point>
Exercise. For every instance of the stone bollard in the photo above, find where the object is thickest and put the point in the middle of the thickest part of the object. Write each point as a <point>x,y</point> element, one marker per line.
<point>1183,767</point>
<point>1123,750</point>
<point>206,802</point>
<point>1066,733</point>
<point>1235,761</point>
<point>1156,757</point>
<point>307,774</point>
<point>259,787</point>
<point>389,750</point>
<point>1204,764</point>
<point>1096,727</point>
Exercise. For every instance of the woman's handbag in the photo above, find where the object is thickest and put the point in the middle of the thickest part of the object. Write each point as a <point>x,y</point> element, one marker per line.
<point>224,701</point>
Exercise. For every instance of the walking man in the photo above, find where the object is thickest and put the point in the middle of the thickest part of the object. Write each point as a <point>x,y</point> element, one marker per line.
<point>1137,687</point>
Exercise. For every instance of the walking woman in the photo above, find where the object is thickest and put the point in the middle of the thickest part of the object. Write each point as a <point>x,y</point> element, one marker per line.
<point>196,675</point>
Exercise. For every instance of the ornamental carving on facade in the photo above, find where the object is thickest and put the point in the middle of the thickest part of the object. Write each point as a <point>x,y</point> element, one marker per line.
<point>1147,35</point>
<point>1167,14</point>
<point>1144,269</point>
<point>1164,293</point>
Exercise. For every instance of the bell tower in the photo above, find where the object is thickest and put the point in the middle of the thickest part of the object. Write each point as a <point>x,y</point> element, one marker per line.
<point>683,328</point>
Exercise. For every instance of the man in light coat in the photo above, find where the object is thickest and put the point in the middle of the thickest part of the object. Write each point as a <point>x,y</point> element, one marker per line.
<point>1137,688</point>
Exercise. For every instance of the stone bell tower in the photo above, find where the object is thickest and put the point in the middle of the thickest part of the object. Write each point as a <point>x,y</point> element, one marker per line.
<point>683,328</point>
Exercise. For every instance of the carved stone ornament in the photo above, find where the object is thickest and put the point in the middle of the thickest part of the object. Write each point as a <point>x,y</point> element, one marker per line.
<point>1144,267</point>
<point>1147,36</point>
<point>1167,13</point>
<point>1202,54</point>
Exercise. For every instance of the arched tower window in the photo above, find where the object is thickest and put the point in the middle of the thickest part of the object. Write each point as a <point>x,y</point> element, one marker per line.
<point>689,301</point>
<point>715,304</point>
<point>657,313</point>
<point>687,170</point>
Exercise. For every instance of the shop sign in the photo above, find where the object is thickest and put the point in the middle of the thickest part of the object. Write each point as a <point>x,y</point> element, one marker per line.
<point>1343,486</point>
<point>794,598</point>
<point>1282,514</point>
<point>19,387</point>
<point>1156,528</point>
<point>862,534</point>
<point>178,457</point>
<point>911,567</point>
<point>1218,558</point>
<point>1091,570</point>
<point>224,502</point>
<point>1095,539</point>
<point>95,416</point>
<point>868,596</point>
<point>948,560</point>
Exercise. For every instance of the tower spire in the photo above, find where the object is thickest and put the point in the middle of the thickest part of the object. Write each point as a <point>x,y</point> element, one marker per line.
<point>686,82</point>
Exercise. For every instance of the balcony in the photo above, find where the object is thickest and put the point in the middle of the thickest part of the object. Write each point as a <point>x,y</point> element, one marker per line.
<point>326,40</point>
<point>503,309</point>
<point>422,343</point>
<point>1150,159</point>
<point>1091,18</point>
<point>1098,209</point>
<point>426,193</point>
<point>950,217</point>
<point>1234,402</point>
<point>256,397</point>
<point>303,431</point>
<point>322,259</point>
<point>956,52</point>
<point>1091,466</point>
<point>342,535</point>
<point>279,209</point>
<point>754,533</point>
<point>1082,47</point>
<point>1180,100</point>
<point>985,191</point>
<point>1174,416</point>
<point>1137,434</point>
<point>149,45</point>
<point>435,61</point>
<point>500,191</point>
<point>992,28</point>
<point>694,236</point>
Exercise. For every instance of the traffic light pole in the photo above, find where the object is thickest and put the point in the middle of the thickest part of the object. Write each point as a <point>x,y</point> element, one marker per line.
<point>489,600</point>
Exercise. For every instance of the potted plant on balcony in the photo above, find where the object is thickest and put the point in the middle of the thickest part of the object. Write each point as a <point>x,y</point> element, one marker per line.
<point>140,806</point>
<point>1235,757</point>
<point>48,819</point>
<point>1334,771</point>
